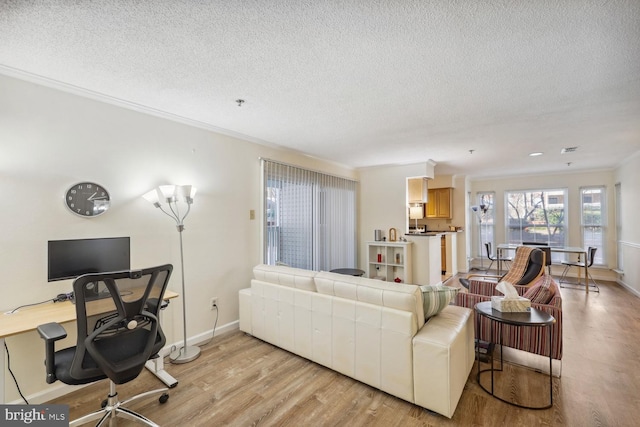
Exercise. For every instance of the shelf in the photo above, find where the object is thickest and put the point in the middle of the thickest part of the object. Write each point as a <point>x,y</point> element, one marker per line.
<point>399,256</point>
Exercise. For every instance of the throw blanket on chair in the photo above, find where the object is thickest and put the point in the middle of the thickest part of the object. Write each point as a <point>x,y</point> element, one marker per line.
<point>518,265</point>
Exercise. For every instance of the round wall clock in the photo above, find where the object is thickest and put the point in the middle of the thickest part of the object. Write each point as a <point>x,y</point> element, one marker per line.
<point>87,199</point>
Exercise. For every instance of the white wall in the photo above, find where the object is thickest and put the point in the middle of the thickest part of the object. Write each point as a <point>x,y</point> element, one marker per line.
<point>628,175</point>
<point>50,140</point>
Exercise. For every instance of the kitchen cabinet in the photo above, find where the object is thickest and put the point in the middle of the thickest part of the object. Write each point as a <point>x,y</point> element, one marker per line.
<point>389,261</point>
<point>417,190</point>
<point>440,203</point>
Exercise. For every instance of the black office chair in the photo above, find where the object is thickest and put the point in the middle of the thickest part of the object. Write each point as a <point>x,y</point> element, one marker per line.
<point>547,251</point>
<point>591,254</point>
<point>495,258</point>
<point>118,331</point>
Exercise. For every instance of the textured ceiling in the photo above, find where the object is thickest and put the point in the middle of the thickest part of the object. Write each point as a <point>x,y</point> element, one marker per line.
<point>360,82</point>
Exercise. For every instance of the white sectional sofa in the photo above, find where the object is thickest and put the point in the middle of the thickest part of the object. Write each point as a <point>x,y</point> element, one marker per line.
<point>372,331</point>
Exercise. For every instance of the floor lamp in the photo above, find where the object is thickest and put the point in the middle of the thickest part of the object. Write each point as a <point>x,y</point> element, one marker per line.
<point>171,195</point>
<point>480,211</point>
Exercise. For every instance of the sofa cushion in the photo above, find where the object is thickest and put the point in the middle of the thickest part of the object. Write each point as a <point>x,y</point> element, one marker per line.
<point>400,296</point>
<point>436,297</point>
<point>542,291</point>
<point>286,276</point>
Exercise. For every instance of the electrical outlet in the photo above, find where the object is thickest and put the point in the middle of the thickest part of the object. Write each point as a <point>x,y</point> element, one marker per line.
<point>213,303</point>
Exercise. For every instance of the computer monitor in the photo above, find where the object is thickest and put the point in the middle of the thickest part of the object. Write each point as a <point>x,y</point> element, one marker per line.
<point>69,259</point>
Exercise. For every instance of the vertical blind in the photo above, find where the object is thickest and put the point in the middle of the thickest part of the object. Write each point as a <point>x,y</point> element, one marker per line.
<point>309,218</point>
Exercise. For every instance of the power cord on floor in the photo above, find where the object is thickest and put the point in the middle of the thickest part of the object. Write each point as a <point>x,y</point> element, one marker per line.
<point>11,372</point>
<point>215,324</point>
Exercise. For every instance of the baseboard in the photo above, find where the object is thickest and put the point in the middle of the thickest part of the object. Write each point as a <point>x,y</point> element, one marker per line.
<point>628,287</point>
<point>52,392</point>
<point>203,337</point>
<point>59,389</point>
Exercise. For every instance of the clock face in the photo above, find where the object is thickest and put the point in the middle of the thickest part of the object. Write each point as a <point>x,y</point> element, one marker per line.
<point>87,199</point>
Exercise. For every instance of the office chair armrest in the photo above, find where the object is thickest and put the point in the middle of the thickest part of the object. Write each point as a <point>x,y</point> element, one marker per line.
<point>50,333</point>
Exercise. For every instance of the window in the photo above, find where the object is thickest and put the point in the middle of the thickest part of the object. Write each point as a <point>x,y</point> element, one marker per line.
<point>537,216</point>
<point>309,218</point>
<point>486,219</point>
<point>594,221</point>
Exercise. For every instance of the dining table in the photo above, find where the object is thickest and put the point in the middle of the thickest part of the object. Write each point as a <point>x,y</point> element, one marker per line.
<point>579,251</point>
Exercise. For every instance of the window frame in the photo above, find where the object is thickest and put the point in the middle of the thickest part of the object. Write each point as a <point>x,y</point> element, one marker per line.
<point>600,258</point>
<point>544,194</point>
<point>487,198</point>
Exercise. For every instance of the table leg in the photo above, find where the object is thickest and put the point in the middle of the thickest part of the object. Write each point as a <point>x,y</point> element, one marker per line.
<point>156,367</point>
<point>491,338</point>
<point>550,366</point>
<point>3,364</point>
<point>586,273</point>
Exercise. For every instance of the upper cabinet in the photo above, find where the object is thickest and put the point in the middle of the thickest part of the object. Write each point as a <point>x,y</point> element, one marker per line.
<point>417,190</point>
<point>440,204</point>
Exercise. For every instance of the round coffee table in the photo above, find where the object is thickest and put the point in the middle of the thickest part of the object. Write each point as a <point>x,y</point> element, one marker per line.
<point>348,271</point>
<point>532,318</point>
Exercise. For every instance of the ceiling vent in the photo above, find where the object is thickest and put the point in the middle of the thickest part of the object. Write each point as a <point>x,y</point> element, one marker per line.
<point>568,150</point>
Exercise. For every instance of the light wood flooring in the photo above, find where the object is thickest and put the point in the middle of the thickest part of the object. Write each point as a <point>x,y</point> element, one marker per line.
<point>241,381</point>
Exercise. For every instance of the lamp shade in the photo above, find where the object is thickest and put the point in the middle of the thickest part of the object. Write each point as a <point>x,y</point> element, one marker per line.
<point>152,196</point>
<point>168,192</point>
<point>186,192</point>
<point>416,211</point>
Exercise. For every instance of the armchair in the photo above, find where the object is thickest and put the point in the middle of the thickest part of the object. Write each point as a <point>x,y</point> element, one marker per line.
<point>118,331</point>
<point>527,266</point>
<point>521,338</point>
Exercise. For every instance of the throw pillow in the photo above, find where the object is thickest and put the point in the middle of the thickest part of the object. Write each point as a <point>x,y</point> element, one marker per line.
<point>542,291</point>
<point>435,298</point>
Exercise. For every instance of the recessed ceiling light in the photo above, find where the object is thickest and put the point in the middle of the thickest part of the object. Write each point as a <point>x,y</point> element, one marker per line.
<point>535,154</point>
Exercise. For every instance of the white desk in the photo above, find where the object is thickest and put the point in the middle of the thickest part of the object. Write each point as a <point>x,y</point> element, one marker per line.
<point>562,249</point>
<point>29,318</point>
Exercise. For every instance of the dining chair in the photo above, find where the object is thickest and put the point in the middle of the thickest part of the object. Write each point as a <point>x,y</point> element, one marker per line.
<point>495,257</point>
<point>591,254</point>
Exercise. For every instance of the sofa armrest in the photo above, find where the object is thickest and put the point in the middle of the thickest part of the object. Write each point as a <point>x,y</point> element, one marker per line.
<point>443,356</point>
<point>483,287</point>
<point>244,296</point>
<point>470,300</point>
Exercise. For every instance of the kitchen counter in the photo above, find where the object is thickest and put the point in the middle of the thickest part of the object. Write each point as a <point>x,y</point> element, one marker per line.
<point>432,233</point>
<point>439,249</point>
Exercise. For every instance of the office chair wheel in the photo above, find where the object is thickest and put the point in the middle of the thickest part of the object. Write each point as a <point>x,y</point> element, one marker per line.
<point>163,398</point>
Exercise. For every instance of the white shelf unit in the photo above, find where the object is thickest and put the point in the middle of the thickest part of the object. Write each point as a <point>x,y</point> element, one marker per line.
<point>389,261</point>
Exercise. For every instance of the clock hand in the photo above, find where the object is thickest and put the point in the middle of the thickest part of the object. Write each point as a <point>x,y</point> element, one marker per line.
<point>91,196</point>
